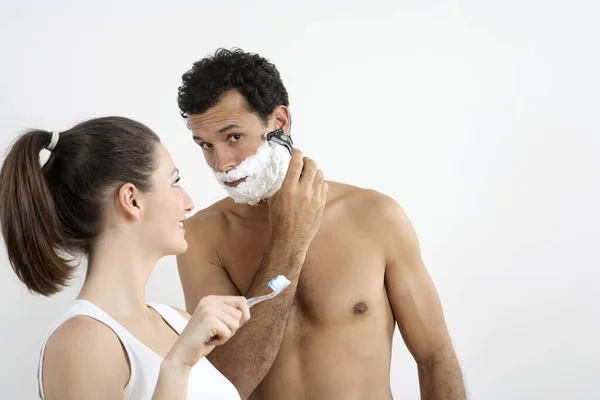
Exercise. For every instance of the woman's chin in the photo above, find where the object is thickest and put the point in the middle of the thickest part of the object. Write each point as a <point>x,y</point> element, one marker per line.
<point>180,248</point>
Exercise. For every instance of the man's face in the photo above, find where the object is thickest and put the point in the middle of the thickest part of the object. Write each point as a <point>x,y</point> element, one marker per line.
<point>229,132</point>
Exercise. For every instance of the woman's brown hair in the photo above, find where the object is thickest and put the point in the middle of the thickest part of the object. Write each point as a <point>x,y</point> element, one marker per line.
<point>48,212</point>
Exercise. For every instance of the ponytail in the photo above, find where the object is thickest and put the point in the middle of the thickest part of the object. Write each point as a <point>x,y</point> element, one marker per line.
<point>28,217</point>
<point>57,211</point>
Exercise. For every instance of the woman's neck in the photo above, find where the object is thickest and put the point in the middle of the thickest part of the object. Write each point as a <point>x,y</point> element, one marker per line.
<point>118,271</point>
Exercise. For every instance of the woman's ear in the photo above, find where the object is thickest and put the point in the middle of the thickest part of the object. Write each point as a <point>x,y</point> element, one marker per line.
<point>130,201</point>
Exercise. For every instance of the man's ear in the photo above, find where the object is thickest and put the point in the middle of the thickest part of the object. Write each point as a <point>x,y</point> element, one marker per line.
<point>282,119</point>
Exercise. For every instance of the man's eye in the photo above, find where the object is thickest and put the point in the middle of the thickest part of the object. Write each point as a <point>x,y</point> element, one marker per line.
<point>206,146</point>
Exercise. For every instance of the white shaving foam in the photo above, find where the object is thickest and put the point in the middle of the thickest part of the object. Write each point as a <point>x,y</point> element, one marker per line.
<point>264,173</point>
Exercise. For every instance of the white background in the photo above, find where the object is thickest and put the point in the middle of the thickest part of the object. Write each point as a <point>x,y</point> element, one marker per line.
<point>480,118</point>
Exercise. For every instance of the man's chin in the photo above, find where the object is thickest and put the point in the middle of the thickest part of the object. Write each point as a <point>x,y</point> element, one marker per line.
<point>245,197</point>
<point>248,201</point>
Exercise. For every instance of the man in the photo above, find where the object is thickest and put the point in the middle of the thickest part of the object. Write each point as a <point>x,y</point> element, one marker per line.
<point>328,336</point>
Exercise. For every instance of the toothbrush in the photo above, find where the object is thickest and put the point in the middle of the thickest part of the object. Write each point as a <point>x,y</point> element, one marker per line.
<point>277,285</point>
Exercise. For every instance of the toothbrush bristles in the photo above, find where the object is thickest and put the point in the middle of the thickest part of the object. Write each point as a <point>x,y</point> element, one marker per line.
<point>279,283</point>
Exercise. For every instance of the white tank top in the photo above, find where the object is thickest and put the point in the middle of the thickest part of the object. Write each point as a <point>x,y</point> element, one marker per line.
<point>205,381</point>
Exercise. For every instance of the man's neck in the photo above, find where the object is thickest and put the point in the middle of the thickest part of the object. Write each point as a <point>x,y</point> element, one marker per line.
<point>258,212</point>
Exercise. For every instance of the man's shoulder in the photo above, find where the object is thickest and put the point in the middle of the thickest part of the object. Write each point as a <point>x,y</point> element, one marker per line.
<point>360,200</point>
<point>209,220</point>
<point>212,214</point>
<point>373,214</point>
<point>369,210</point>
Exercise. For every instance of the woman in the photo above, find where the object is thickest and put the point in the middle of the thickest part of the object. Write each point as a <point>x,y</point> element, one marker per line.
<point>109,192</point>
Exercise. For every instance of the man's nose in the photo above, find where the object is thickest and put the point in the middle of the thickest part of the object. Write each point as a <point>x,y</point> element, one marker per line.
<point>224,161</point>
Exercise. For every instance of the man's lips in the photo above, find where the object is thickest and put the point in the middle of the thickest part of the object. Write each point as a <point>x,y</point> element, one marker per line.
<point>235,183</point>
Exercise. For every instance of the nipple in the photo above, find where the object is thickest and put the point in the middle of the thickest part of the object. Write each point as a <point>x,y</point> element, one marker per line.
<point>360,308</point>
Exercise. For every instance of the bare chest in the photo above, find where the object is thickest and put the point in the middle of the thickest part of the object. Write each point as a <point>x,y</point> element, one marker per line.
<point>342,278</point>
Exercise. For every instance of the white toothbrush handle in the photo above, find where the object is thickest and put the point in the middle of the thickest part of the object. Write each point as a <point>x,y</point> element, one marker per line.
<point>255,300</point>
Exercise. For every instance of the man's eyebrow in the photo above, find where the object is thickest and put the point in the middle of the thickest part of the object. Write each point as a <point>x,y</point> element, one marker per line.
<point>222,130</point>
<point>228,127</point>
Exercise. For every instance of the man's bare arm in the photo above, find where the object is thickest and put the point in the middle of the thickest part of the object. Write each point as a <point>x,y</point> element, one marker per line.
<point>295,218</point>
<point>418,310</point>
<point>247,357</point>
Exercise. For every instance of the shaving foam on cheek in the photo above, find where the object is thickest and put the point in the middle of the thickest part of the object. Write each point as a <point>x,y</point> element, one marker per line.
<point>263,172</point>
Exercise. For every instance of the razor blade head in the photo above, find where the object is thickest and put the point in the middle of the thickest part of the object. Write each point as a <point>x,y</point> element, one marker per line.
<point>279,137</point>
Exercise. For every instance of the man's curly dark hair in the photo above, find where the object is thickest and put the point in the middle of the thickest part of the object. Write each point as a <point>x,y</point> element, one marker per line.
<point>253,76</point>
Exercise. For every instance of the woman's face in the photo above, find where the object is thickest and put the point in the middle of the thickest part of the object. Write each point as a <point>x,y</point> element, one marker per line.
<point>167,205</point>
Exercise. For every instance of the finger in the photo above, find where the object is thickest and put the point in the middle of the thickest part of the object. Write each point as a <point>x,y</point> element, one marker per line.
<point>240,304</point>
<point>232,323</point>
<point>308,172</point>
<point>234,301</point>
<point>292,175</point>
<point>244,311</point>
<point>233,311</point>
<point>318,182</point>
<point>240,313</point>
<point>223,333</point>
<point>324,192</point>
